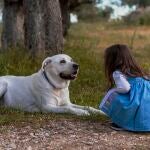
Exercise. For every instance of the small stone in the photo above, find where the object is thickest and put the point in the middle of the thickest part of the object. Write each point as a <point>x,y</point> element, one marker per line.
<point>13,145</point>
<point>46,134</point>
<point>29,148</point>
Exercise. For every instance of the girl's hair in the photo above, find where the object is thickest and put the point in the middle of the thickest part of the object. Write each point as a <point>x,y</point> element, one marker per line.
<point>118,57</point>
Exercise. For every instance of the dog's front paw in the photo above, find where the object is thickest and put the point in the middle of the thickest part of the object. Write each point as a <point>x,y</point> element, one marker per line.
<point>95,111</point>
<point>83,113</point>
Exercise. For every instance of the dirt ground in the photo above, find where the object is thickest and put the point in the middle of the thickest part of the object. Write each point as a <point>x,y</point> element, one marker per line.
<point>70,135</point>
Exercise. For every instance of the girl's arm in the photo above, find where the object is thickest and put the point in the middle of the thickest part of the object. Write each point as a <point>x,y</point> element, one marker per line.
<point>122,85</point>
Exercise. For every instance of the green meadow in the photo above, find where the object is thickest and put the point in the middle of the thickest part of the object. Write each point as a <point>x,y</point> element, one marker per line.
<point>85,43</point>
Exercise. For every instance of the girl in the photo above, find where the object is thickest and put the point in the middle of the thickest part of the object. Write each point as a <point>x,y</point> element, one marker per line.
<point>128,104</point>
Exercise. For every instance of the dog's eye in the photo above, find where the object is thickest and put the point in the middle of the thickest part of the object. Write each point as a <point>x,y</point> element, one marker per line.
<point>62,61</point>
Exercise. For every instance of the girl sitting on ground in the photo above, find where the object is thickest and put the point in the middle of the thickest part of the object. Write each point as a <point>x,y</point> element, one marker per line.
<point>128,103</point>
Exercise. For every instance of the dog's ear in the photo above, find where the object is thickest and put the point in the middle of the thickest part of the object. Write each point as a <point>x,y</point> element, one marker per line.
<point>46,62</point>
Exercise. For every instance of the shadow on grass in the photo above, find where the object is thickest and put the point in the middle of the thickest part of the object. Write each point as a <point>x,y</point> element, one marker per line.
<point>10,116</point>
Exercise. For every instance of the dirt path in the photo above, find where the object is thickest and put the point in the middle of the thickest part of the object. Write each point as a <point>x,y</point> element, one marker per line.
<point>70,135</point>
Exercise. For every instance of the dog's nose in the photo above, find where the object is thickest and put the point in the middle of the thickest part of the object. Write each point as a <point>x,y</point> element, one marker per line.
<point>75,66</point>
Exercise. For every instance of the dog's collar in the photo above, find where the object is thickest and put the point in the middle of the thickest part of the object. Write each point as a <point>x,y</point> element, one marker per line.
<point>47,79</point>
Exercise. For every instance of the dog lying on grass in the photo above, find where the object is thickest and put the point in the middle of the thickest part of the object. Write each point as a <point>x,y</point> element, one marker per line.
<point>44,91</point>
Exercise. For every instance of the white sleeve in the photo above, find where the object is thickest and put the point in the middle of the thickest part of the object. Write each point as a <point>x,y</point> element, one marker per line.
<point>122,85</point>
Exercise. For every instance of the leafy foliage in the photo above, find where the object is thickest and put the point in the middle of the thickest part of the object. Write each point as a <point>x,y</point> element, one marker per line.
<point>140,3</point>
<point>138,17</point>
<point>91,15</point>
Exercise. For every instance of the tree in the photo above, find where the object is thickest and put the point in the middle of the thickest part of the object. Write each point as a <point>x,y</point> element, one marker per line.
<point>139,3</point>
<point>91,15</point>
<point>68,6</point>
<point>13,20</point>
<point>1,7</point>
<point>106,13</point>
<point>34,24</point>
<point>43,26</point>
<point>38,25</point>
<point>65,11</point>
<point>1,4</point>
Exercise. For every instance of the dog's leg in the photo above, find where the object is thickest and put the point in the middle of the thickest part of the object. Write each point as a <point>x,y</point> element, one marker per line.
<point>3,88</point>
<point>65,109</point>
<point>90,109</point>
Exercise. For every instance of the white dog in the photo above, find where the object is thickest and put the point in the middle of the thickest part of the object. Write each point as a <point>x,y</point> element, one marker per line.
<point>46,90</point>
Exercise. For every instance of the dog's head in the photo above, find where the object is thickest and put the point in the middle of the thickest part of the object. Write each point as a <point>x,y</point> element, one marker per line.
<point>61,66</point>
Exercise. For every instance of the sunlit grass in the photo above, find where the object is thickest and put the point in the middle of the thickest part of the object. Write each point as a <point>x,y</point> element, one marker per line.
<point>86,43</point>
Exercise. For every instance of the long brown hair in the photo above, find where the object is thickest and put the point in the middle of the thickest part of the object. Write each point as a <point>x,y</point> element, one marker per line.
<point>118,57</point>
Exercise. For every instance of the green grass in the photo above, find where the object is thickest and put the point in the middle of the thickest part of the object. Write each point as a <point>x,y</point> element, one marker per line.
<point>85,44</point>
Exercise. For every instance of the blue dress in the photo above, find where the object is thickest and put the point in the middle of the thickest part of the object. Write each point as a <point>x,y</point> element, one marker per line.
<point>131,111</point>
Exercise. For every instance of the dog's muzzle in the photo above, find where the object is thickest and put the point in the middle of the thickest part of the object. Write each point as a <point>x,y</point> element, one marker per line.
<point>71,76</point>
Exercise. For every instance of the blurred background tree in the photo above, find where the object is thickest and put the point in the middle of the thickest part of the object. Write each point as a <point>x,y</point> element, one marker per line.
<point>68,6</point>
<point>93,14</point>
<point>1,3</point>
<point>1,7</point>
<point>141,16</point>
<point>87,12</point>
<point>139,3</point>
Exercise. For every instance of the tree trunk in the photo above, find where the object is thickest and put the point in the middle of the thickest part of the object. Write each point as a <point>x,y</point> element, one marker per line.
<point>13,21</point>
<point>64,5</point>
<point>43,26</point>
<point>37,24</point>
